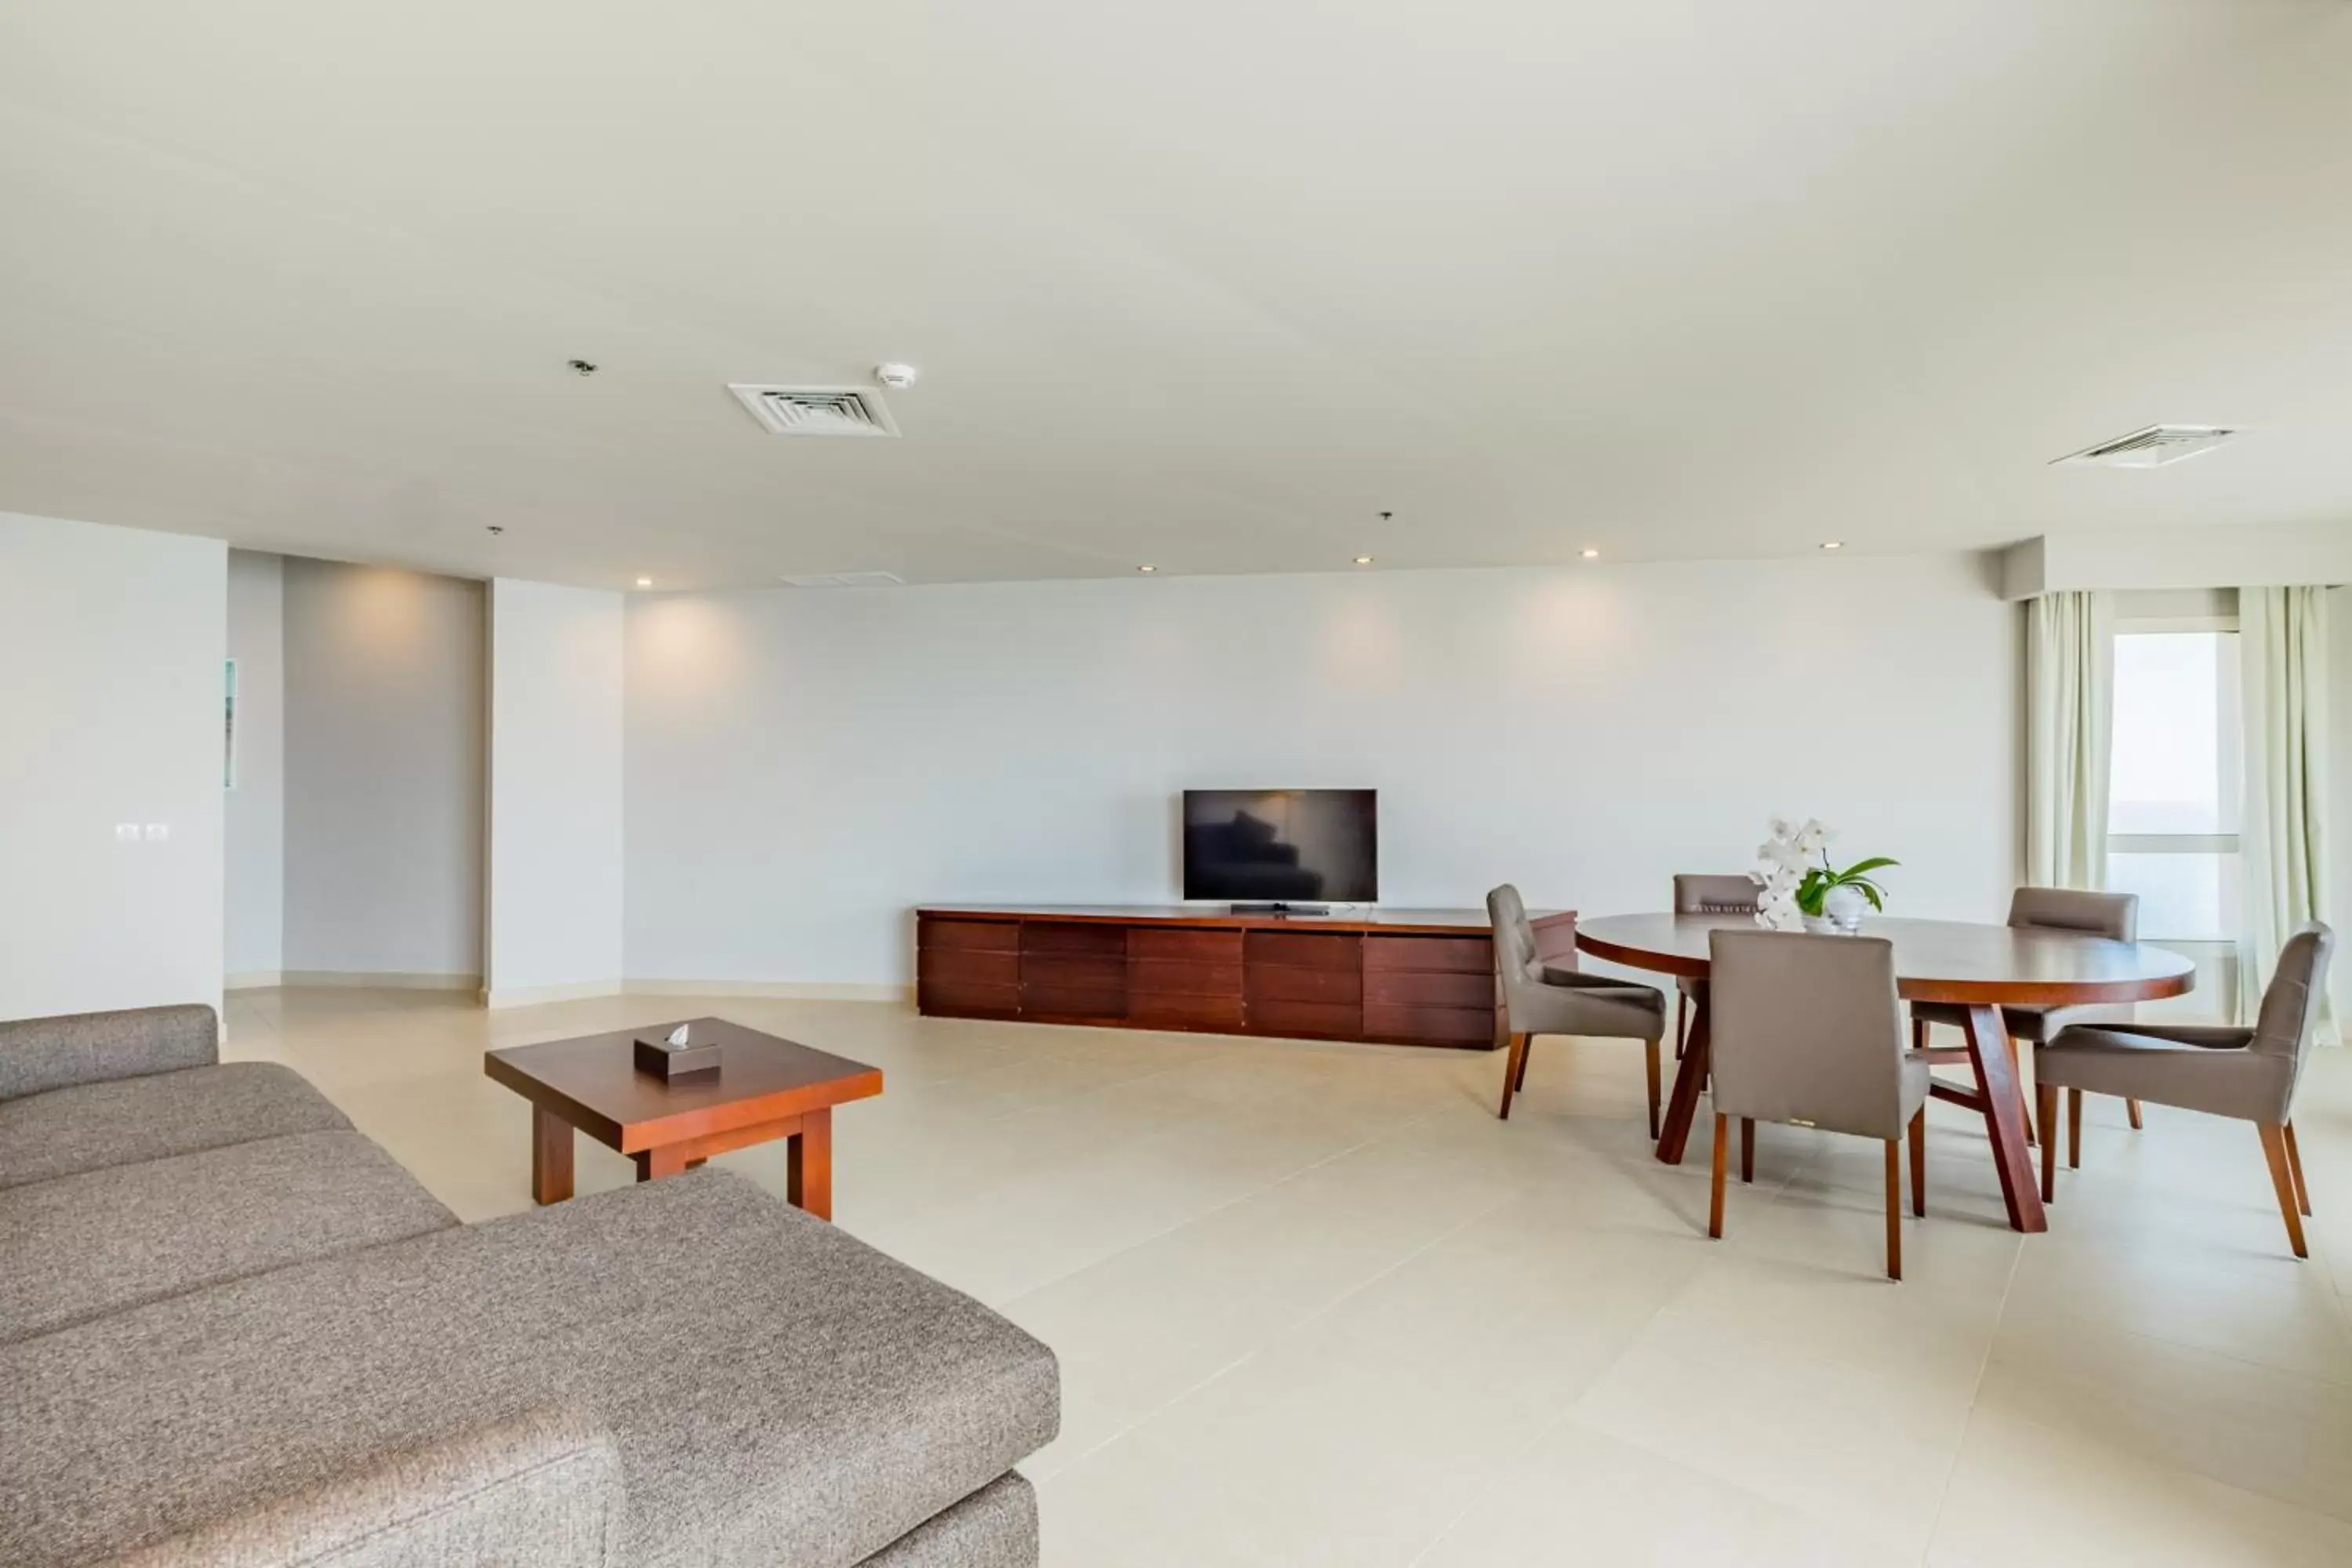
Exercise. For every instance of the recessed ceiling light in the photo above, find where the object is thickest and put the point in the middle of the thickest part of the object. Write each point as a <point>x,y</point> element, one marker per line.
<point>1589,554</point>
<point>644,582</point>
<point>1146,569</point>
<point>1832,544</point>
<point>1363,561</point>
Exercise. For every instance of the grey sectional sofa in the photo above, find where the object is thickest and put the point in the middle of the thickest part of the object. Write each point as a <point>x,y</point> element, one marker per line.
<point>234,1332</point>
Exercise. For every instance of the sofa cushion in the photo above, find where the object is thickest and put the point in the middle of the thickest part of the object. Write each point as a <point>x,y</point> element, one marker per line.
<point>37,1055</point>
<point>102,1240</point>
<point>996,1527</point>
<point>94,1125</point>
<point>778,1391</point>
<point>542,1491</point>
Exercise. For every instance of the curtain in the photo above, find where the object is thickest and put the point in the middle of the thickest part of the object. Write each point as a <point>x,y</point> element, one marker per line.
<point>2283,836</point>
<point>2069,664</point>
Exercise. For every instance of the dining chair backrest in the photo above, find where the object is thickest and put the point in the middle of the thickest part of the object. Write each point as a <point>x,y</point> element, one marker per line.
<point>1807,1029</point>
<point>1703,893</point>
<point>1514,943</point>
<point>2291,1002</point>
<point>2113,915</point>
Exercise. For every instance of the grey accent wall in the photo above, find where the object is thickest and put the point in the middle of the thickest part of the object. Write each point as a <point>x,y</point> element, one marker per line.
<point>385,771</point>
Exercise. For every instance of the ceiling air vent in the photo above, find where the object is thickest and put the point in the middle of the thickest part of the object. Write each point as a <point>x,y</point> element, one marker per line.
<point>2152,447</point>
<point>845,580</point>
<point>817,410</point>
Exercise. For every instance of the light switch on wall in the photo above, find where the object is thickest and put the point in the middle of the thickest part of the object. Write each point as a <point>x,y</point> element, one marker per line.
<point>158,831</point>
<point>126,833</point>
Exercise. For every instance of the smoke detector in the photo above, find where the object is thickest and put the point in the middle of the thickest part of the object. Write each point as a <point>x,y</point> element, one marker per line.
<point>811,411</point>
<point>2152,447</point>
<point>896,376</point>
<point>845,580</point>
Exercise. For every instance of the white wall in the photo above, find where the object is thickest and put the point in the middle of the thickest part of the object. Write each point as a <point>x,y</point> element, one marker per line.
<point>256,824</point>
<point>111,701</point>
<point>555,792</point>
<point>384,778</point>
<point>804,767</point>
<point>2340,651</point>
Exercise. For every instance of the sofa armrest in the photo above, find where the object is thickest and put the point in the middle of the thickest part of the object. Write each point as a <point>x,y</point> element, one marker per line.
<point>542,1490</point>
<point>41,1054</point>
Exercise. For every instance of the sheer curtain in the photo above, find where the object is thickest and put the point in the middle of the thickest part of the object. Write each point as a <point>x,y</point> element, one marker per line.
<point>2282,840</point>
<point>2069,660</point>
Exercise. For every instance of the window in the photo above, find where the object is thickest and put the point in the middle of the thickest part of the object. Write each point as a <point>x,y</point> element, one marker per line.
<point>2172,804</point>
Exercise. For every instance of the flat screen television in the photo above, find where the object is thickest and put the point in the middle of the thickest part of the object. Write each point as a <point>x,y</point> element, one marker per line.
<point>1277,846</point>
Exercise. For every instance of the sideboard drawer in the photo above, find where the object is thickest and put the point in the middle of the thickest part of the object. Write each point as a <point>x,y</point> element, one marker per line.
<point>967,966</point>
<point>951,931</point>
<point>1305,950</point>
<point>1454,955</point>
<point>1077,937</point>
<point>1193,946</point>
<point>1428,988</point>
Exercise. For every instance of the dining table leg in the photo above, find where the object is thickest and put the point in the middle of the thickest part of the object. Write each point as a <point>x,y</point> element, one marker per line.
<point>2004,1124</point>
<point>1690,1076</point>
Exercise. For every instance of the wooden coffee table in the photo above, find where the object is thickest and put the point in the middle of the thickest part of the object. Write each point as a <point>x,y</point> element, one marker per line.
<point>766,1089</point>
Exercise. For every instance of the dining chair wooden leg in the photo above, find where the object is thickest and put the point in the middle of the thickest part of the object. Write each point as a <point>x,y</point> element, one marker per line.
<point>1919,1162</point>
<point>1651,1064</point>
<point>2282,1183</point>
<point>1514,1068</point>
<point>1682,1004</point>
<point>1747,1149</point>
<point>2131,1109</point>
<point>1714,1202</point>
<point>2294,1168</point>
<point>2074,1130</point>
<point>2017,1076</point>
<point>2047,1094</point>
<point>1895,1208</point>
<point>1918,1034</point>
<point>1523,1063</point>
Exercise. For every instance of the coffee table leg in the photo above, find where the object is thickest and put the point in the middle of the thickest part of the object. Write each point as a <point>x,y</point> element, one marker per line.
<point>666,1160</point>
<point>550,1157</point>
<point>1689,1079</point>
<point>808,1167</point>
<point>2004,1124</point>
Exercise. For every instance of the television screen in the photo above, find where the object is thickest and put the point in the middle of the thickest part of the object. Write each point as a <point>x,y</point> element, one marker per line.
<point>1282,845</point>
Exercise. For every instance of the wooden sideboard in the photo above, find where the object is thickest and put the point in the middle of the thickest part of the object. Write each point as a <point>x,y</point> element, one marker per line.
<point>1406,977</point>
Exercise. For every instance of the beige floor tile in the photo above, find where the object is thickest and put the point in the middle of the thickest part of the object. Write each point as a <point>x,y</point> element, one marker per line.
<point>1866,1450</point>
<point>2254,1429</point>
<point>1579,1497</point>
<point>2023,1495</point>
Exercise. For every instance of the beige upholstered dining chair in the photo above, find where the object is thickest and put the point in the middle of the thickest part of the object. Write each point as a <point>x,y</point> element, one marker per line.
<point>2249,1074</point>
<point>1707,893</point>
<point>2112,915</point>
<point>1808,1030</point>
<point>1543,997</point>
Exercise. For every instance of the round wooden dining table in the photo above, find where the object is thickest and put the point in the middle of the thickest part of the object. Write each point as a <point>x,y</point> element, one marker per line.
<point>1980,968</point>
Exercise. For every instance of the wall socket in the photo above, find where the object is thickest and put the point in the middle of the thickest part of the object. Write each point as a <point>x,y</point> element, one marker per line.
<point>158,831</point>
<point>126,833</point>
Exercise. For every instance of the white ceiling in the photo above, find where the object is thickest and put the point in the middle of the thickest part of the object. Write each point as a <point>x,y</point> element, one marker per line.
<point>1208,285</point>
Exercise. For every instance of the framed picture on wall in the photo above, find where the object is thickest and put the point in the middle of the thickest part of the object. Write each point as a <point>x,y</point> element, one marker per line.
<point>228,727</point>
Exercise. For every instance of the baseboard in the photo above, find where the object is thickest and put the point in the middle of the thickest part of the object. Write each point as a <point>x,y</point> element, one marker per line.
<point>776,990</point>
<point>538,995</point>
<point>381,980</point>
<point>253,980</point>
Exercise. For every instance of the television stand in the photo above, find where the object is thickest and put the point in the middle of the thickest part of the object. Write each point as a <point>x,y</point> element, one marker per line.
<point>1279,908</point>
<point>1410,977</point>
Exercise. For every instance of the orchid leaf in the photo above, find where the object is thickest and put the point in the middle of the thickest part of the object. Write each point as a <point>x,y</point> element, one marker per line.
<point>1861,869</point>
